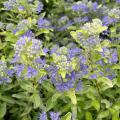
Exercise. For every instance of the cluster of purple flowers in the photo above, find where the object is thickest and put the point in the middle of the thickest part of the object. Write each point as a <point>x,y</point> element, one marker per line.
<point>5,73</point>
<point>10,4</point>
<point>53,116</point>
<point>43,23</point>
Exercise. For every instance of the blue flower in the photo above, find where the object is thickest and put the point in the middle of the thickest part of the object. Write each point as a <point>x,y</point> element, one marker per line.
<point>79,86</point>
<point>19,69</point>
<point>31,72</point>
<point>9,4</point>
<point>28,33</point>
<point>54,115</point>
<point>43,23</point>
<point>43,116</point>
<point>108,20</point>
<point>39,7</point>
<point>5,80</point>
<point>43,78</point>
<point>21,8</point>
<point>95,6</point>
<point>81,6</point>
<point>117,1</point>
<point>10,72</point>
<point>93,76</point>
<point>114,57</point>
<point>74,52</point>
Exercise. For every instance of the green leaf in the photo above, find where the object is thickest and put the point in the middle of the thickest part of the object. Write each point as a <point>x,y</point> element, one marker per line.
<point>115,114</point>
<point>2,109</point>
<point>26,85</point>
<point>52,101</point>
<point>67,116</point>
<point>48,86</point>
<point>36,100</point>
<point>105,81</point>
<point>26,111</point>
<point>103,114</point>
<point>72,96</point>
<point>106,102</point>
<point>8,99</point>
<point>96,104</point>
<point>21,95</point>
<point>42,31</point>
<point>88,116</point>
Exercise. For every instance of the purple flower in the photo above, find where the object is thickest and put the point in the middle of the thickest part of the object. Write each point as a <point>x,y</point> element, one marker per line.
<point>111,77</point>
<point>10,72</point>
<point>40,61</point>
<point>74,52</point>
<point>81,19</point>
<point>52,71</point>
<point>43,23</point>
<point>65,26</point>
<point>117,1</point>
<point>95,6</point>
<point>15,59</point>
<point>31,72</point>
<point>78,7</point>
<point>43,116</point>
<point>79,86</point>
<point>114,57</point>
<point>54,115</point>
<point>28,33</point>
<point>5,80</point>
<point>93,76</point>
<point>108,20</point>
<point>64,86</point>
<point>21,8</point>
<point>83,67</point>
<point>9,4</point>
<point>19,69</point>
<point>43,78</point>
<point>39,7</point>
<point>15,31</point>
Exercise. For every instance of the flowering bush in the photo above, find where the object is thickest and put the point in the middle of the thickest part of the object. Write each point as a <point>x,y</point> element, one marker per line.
<point>59,60</point>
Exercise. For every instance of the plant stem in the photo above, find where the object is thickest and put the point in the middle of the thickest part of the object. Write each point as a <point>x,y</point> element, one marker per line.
<point>74,112</point>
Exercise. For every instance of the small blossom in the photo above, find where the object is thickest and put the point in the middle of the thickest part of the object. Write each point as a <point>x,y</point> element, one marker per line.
<point>43,23</point>
<point>39,7</point>
<point>43,116</point>
<point>21,8</point>
<point>79,86</point>
<point>54,115</point>
<point>108,20</point>
<point>93,76</point>
<point>117,1</point>
<point>80,6</point>
<point>31,72</point>
<point>19,69</point>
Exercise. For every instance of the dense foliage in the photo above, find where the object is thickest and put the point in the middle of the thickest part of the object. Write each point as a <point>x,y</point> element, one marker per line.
<point>59,60</point>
